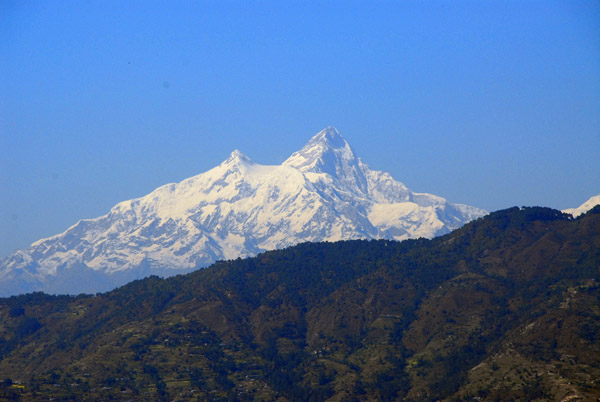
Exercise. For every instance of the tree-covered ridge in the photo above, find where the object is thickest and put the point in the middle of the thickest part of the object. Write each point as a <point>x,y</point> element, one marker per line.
<point>504,308</point>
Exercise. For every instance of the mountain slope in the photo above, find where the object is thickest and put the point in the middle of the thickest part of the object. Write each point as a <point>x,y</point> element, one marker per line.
<point>321,193</point>
<point>505,308</point>
<point>583,208</point>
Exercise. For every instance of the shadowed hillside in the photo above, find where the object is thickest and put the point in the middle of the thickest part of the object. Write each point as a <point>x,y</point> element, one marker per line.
<point>505,308</point>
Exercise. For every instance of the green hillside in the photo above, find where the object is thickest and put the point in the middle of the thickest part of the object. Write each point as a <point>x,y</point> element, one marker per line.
<point>505,308</point>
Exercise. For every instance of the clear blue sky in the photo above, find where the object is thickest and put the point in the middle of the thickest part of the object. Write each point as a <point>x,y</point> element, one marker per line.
<point>488,103</point>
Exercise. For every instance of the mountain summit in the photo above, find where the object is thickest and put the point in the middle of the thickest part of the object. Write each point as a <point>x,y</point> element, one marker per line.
<point>329,153</point>
<point>326,152</point>
<point>322,192</point>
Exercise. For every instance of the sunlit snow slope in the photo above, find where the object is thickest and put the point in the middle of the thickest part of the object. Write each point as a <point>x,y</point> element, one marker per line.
<point>321,193</point>
<point>583,208</point>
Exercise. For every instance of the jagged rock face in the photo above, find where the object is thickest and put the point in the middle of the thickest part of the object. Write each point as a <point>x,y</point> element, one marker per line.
<point>321,193</point>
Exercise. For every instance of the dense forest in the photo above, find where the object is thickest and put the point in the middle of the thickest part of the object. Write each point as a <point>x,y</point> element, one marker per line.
<point>505,308</point>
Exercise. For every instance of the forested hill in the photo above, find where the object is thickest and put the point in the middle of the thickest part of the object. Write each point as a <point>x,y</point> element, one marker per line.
<point>505,308</point>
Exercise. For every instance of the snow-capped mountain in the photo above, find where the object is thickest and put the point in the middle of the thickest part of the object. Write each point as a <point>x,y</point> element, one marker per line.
<point>323,192</point>
<point>583,208</point>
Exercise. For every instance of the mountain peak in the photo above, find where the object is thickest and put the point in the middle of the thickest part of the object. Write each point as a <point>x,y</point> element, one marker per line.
<point>329,137</point>
<point>236,157</point>
<point>326,152</point>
